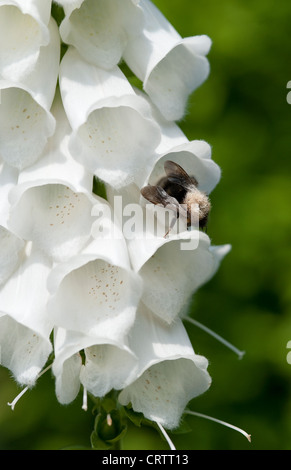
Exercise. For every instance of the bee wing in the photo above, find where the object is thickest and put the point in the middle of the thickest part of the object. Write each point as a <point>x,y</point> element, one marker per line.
<point>158,195</point>
<point>176,174</point>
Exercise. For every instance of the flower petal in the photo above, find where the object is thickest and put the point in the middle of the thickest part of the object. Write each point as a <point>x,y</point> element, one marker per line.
<point>107,367</point>
<point>111,124</point>
<point>108,364</point>
<point>174,272</point>
<point>68,382</point>
<point>23,351</point>
<point>24,296</point>
<point>94,295</point>
<point>23,30</point>
<point>177,75</point>
<point>25,326</point>
<point>99,29</point>
<point>25,120</point>
<point>56,165</point>
<point>70,5</point>
<point>52,203</point>
<point>55,218</point>
<point>8,180</point>
<point>170,67</point>
<point>89,301</point>
<point>10,248</point>
<point>170,373</point>
<point>195,158</point>
<point>24,127</point>
<point>67,364</point>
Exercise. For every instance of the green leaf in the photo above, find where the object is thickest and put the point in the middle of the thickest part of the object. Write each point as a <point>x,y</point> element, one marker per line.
<point>99,188</point>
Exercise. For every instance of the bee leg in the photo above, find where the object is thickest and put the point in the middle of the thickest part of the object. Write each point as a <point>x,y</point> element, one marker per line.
<point>173,221</point>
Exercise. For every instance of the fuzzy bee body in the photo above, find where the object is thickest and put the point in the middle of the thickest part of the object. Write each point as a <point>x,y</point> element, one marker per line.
<point>179,192</point>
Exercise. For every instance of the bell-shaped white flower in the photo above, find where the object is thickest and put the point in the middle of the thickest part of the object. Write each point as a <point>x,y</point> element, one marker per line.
<point>100,29</point>
<point>194,156</point>
<point>176,270</point>
<point>25,322</point>
<point>95,292</point>
<point>52,203</point>
<point>94,300</point>
<point>107,364</point>
<point>171,67</point>
<point>23,351</point>
<point>25,118</point>
<point>113,131</point>
<point>23,30</point>
<point>57,219</point>
<point>107,367</point>
<point>170,373</point>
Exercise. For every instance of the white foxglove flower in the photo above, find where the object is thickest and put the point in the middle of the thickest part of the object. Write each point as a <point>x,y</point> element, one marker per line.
<point>108,364</point>
<point>100,29</point>
<point>171,67</point>
<point>171,275</point>
<point>25,118</point>
<point>57,219</point>
<point>170,373</point>
<point>25,322</point>
<point>23,351</point>
<point>114,134</point>
<point>52,203</point>
<point>93,304</point>
<point>107,367</point>
<point>95,292</point>
<point>23,31</point>
<point>194,156</point>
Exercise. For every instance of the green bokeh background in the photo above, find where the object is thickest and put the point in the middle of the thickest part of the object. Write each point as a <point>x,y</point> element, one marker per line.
<point>242,111</point>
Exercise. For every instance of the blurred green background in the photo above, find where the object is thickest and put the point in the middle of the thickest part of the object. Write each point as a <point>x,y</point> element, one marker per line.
<point>243,113</point>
